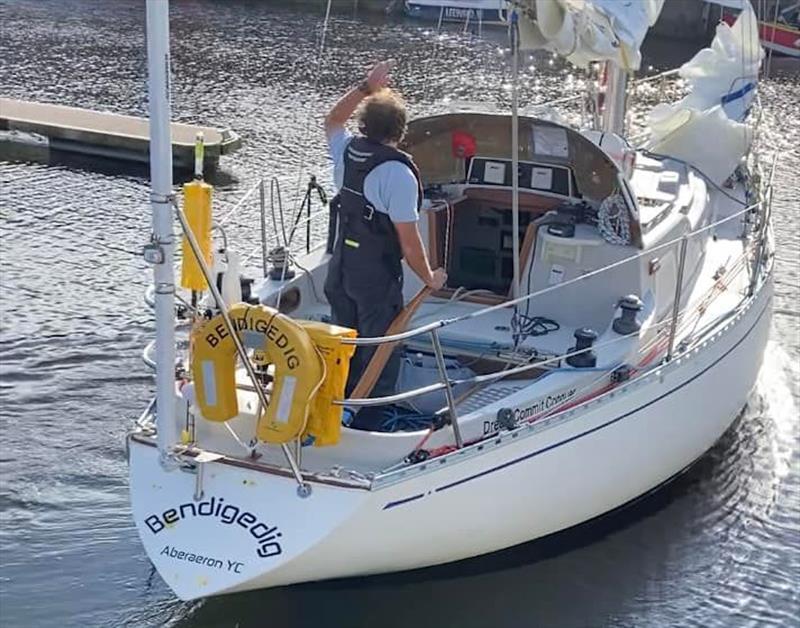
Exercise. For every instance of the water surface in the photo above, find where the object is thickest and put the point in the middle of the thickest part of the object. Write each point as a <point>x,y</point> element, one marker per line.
<point>718,547</point>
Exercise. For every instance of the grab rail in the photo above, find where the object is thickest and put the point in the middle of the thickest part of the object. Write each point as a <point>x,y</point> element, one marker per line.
<point>446,384</point>
<point>377,340</point>
<point>671,322</point>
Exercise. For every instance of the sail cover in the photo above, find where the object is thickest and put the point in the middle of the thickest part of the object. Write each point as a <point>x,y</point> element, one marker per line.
<point>704,128</point>
<point>727,71</point>
<point>583,31</point>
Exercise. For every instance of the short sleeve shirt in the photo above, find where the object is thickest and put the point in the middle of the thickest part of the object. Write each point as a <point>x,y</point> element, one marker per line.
<point>391,187</point>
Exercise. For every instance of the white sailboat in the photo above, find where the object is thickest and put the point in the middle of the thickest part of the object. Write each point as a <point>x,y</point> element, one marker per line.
<point>604,321</point>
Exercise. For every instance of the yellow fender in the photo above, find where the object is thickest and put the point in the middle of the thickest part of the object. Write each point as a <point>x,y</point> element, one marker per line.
<point>299,369</point>
<point>197,207</point>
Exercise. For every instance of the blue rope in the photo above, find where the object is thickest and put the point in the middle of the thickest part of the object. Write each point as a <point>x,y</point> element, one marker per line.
<point>402,420</point>
<point>396,419</point>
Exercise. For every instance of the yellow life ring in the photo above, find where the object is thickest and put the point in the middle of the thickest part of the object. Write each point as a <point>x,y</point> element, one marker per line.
<point>299,369</point>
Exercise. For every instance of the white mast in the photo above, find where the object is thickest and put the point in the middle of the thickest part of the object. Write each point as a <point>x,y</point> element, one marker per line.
<point>614,101</point>
<point>160,251</point>
<point>514,30</point>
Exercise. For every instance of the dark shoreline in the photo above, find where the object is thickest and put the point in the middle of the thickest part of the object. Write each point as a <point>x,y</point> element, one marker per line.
<point>679,20</point>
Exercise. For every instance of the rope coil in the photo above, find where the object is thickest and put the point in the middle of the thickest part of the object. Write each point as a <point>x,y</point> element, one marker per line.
<point>613,220</point>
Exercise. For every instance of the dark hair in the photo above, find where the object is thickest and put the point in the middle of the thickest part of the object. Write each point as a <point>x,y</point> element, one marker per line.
<point>382,117</point>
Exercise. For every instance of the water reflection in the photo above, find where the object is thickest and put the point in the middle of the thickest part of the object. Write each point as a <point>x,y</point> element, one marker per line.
<point>718,547</point>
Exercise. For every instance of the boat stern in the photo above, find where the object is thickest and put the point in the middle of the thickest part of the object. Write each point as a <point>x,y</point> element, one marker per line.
<point>214,527</point>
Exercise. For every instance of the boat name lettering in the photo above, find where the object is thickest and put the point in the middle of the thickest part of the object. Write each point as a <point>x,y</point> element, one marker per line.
<point>527,413</point>
<point>227,514</point>
<point>190,557</point>
<point>456,12</point>
<point>261,326</point>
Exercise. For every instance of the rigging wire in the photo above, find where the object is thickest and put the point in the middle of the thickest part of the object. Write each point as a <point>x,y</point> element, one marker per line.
<point>275,192</point>
<point>312,102</point>
<point>432,58</point>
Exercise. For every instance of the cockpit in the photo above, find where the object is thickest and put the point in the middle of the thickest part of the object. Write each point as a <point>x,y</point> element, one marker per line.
<point>563,180</point>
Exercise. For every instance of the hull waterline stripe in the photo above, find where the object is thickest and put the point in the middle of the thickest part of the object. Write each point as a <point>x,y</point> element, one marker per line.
<point>587,432</point>
<point>400,502</point>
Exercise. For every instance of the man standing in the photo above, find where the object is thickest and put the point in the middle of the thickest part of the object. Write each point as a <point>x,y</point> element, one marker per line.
<point>380,193</point>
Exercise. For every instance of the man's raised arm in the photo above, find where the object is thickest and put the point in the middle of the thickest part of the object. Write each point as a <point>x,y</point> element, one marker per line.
<point>377,79</point>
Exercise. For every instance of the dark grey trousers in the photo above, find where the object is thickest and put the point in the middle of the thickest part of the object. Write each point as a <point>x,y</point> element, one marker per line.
<point>366,299</point>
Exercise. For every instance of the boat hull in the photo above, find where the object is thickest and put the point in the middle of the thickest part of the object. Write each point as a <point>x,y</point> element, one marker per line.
<point>530,483</point>
<point>456,13</point>
<point>781,38</point>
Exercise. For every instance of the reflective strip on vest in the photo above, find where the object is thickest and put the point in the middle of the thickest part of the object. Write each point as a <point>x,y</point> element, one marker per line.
<point>360,153</point>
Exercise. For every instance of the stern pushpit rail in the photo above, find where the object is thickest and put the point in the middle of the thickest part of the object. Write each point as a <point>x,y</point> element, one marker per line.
<point>303,488</point>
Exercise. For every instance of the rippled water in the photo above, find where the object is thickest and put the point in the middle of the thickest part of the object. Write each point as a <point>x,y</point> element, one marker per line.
<point>718,547</point>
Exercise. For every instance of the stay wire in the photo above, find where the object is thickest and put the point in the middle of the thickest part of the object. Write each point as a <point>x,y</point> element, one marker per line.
<point>275,192</point>
<point>312,101</point>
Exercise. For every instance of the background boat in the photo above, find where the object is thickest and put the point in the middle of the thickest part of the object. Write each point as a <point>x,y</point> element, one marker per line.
<point>778,24</point>
<point>478,11</point>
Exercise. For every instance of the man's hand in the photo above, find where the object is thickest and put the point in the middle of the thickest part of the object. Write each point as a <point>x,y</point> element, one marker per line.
<point>378,77</point>
<point>437,280</point>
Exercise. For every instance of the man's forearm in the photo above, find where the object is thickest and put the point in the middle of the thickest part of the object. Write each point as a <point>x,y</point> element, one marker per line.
<point>414,252</point>
<point>343,109</point>
<point>419,264</point>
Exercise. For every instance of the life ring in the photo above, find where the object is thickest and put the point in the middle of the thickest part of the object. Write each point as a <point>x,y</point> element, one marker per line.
<point>299,369</point>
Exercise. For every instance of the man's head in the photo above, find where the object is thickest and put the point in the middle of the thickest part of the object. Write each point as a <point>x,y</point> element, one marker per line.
<point>382,117</point>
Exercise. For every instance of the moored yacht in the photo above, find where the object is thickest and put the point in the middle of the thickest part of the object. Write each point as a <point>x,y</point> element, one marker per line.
<point>464,11</point>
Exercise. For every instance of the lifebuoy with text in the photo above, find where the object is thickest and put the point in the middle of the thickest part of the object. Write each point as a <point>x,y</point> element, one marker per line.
<point>299,369</point>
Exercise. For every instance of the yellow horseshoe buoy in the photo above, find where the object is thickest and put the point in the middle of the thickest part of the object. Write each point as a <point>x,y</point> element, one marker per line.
<point>299,369</point>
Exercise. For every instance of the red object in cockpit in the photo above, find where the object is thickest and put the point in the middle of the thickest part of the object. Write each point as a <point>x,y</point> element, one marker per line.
<point>463,145</point>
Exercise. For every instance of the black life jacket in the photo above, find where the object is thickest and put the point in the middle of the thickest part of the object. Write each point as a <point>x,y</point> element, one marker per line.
<point>361,227</point>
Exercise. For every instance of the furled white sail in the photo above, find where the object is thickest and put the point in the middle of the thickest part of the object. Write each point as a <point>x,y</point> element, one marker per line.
<point>708,140</point>
<point>704,128</point>
<point>583,31</point>
<point>726,72</point>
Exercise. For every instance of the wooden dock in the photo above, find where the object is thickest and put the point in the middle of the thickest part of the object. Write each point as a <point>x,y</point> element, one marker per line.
<point>89,132</point>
